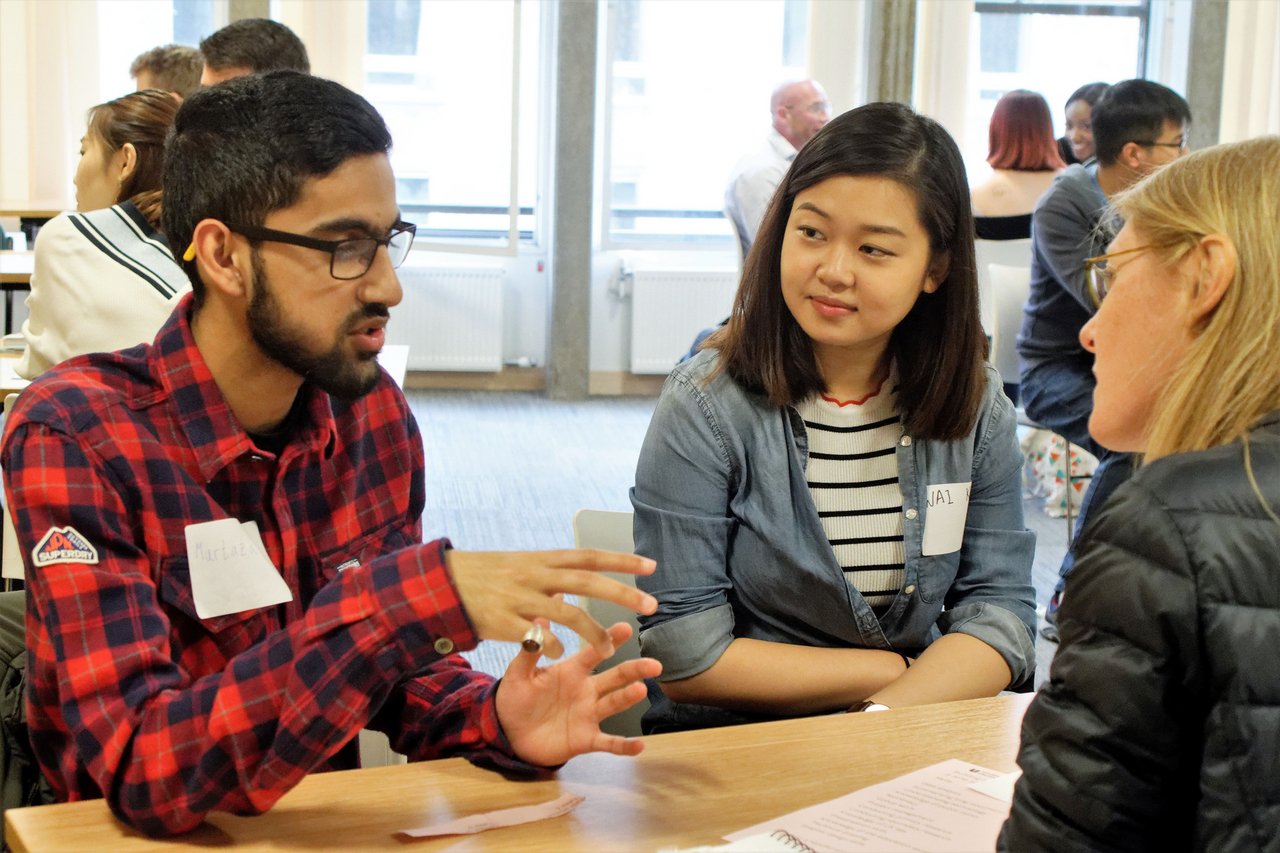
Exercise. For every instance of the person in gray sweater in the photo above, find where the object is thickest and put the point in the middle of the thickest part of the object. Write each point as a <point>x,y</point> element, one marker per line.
<point>1138,127</point>
<point>1158,728</point>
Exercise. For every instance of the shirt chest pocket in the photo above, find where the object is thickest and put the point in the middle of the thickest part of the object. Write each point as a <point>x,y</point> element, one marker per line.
<point>230,633</point>
<point>363,551</point>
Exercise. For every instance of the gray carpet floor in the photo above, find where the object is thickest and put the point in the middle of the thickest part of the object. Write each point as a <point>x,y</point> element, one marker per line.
<point>507,471</point>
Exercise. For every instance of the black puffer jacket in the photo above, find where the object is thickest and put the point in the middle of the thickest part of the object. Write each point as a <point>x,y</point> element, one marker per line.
<point>1159,728</point>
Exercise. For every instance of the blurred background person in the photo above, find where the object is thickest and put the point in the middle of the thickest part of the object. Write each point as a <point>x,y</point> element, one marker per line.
<point>1158,726</point>
<point>1024,160</point>
<point>172,67</point>
<point>1139,127</point>
<point>799,110</point>
<point>1076,144</point>
<point>251,46</point>
<point>104,278</point>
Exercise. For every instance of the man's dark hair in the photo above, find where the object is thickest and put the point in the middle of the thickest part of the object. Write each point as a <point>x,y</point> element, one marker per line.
<point>258,44</point>
<point>173,67</point>
<point>244,148</point>
<point>939,346</point>
<point>1134,111</point>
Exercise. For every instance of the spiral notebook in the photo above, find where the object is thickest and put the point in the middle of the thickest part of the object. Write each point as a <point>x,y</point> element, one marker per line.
<point>778,841</point>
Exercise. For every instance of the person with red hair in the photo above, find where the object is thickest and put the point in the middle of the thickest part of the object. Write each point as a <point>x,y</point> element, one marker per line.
<point>1023,155</point>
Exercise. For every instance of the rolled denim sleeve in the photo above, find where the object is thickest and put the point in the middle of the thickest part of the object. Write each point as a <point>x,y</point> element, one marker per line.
<point>992,598</point>
<point>681,500</point>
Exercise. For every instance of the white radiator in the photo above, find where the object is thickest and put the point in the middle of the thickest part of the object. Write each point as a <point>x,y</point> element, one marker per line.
<point>451,318</point>
<point>669,308</point>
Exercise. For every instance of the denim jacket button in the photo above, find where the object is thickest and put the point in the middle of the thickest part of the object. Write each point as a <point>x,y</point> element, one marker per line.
<point>911,514</point>
<point>906,441</point>
<point>910,589</point>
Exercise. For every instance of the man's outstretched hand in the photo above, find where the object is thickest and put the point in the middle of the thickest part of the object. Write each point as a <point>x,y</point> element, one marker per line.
<point>550,714</point>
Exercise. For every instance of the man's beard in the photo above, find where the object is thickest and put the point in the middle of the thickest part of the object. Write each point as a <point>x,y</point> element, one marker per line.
<point>337,372</point>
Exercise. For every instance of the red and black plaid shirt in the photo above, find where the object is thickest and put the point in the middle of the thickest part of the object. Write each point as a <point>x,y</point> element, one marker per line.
<point>131,695</point>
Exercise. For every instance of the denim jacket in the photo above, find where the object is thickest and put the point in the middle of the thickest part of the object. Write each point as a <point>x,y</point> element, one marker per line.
<point>722,505</point>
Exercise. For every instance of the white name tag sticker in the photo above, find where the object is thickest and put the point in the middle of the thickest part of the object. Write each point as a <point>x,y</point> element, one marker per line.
<point>230,570</point>
<point>946,506</point>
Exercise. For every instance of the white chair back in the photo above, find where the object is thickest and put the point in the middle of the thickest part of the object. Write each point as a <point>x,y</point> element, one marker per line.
<point>611,531</point>
<point>1014,253</point>
<point>1010,286</point>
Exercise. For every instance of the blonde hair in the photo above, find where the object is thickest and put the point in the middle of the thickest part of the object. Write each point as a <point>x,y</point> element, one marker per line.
<point>1230,376</point>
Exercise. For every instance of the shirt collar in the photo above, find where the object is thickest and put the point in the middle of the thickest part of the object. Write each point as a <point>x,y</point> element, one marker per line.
<point>784,149</point>
<point>215,435</point>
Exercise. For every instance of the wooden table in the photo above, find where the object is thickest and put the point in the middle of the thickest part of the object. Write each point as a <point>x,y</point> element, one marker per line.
<point>685,789</point>
<point>15,275</point>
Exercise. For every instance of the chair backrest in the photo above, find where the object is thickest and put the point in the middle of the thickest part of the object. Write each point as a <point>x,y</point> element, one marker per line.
<point>10,556</point>
<point>1010,286</point>
<point>1014,253</point>
<point>611,531</point>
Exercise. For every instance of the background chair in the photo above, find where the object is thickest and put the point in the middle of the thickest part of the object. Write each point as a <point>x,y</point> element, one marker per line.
<point>1010,287</point>
<point>1013,253</point>
<point>611,531</point>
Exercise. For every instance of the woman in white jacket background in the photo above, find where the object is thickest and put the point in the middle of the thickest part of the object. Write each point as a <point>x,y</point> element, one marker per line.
<point>104,278</point>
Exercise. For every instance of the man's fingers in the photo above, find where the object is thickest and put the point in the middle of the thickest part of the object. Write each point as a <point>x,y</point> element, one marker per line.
<point>595,560</point>
<point>620,700</point>
<point>617,678</point>
<point>618,745</point>
<point>591,585</point>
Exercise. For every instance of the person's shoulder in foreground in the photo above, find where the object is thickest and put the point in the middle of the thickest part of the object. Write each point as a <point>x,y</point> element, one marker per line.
<point>1157,727</point>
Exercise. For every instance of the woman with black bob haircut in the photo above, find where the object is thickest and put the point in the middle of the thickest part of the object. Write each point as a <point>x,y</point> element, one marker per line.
<point>831,488</point>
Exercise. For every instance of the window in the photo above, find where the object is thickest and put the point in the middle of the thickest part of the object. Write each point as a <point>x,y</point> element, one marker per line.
<point>687,93</point>
<point>126,28</point>
<point>1052,48</point>
<point>456,82</point>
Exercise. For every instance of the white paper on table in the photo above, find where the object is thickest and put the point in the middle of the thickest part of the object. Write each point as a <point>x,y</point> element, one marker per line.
<point>493,820</point>
<point>946,508</point>
<point>1001,787</point>
<point>932,809</point>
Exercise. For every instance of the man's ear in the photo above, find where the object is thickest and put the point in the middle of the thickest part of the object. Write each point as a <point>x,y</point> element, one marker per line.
<point>129,161</point>
<point>220,257</point>
<point>1214,273</point>
<point>1131,156</point>
<point>939,266</point>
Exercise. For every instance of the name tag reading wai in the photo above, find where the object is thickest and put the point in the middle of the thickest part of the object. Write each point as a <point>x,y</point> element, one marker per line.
<point>946,507</point>
<point>230,570</point>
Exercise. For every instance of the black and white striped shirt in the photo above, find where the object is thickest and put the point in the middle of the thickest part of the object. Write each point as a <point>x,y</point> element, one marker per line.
<point>852,474</point>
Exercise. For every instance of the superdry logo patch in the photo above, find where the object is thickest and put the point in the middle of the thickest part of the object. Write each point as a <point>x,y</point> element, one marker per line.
<point>63,545</point>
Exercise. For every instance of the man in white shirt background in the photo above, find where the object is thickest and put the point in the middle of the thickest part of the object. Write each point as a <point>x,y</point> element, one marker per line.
<point>799,109</point>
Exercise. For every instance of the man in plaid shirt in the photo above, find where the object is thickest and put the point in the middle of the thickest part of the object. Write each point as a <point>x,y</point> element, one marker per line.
<point>222,530</point>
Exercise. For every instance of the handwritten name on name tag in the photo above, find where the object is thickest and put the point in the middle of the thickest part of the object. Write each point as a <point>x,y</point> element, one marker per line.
<point>946,507</point>
<point>230,569</point>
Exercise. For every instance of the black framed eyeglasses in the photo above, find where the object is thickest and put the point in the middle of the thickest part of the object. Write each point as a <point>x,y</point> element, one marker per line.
<point>349,258</point>
<point>1181,144</point>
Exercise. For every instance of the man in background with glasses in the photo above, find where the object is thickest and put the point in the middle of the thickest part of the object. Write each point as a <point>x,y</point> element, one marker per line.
<point>799,109</point>
<point>1138,126</point>
<point>222,530</point>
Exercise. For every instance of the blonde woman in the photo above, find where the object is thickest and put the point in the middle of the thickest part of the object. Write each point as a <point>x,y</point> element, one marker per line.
<point>1159,728</point>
